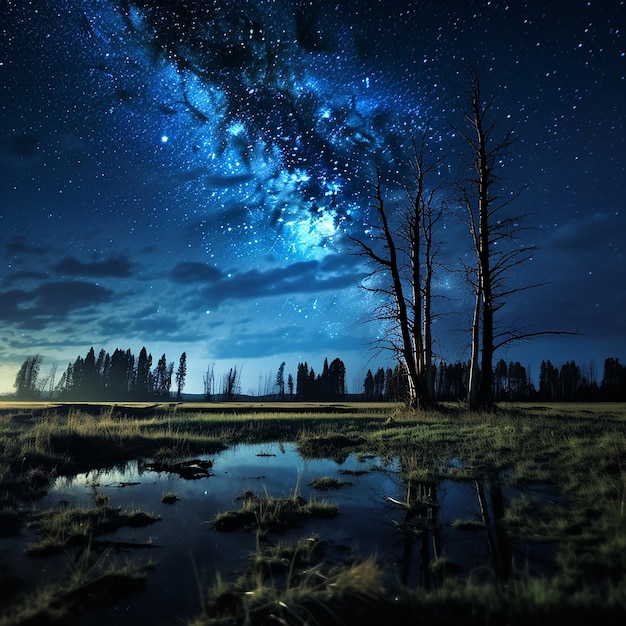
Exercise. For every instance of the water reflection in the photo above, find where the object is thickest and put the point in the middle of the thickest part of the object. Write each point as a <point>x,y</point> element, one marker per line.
<point>407,525</point>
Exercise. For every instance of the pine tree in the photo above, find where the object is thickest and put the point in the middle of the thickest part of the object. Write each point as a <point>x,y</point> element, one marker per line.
<point>181,374</point>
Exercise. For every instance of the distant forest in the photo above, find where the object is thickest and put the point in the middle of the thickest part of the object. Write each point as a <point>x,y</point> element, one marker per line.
<point>511,382</point>
<point>124,376</point>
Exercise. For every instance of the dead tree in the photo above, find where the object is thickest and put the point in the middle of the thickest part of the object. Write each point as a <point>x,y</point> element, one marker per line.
<point>495,237</point>
<point>403,259</point>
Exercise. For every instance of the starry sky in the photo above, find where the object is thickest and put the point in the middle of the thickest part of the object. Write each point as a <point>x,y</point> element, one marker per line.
<point>186,175</point>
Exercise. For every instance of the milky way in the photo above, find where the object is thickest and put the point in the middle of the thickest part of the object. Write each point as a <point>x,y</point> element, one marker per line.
<point>183,175</point>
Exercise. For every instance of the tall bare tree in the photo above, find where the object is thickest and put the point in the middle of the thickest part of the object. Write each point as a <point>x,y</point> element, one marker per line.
<point>208,380</point>
<point>490,229</point>
<point>402,255</point>
<point>495,233</point>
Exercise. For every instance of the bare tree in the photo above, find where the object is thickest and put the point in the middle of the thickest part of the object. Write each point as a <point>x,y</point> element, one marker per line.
<point>495,238</point>
<point>46,385</point>
<point>231,384</point>
<point>208,380</point>
<point>403,259</point>
<point>421,220</point>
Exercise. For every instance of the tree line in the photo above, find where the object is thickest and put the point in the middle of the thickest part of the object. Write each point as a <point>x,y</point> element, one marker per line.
<point>117,376</point>
<point>510,382</point>
<point>123,376</point>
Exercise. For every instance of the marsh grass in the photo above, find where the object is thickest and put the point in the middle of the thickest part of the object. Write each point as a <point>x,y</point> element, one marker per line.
<point>89,582</point>
<point>65,526</point>
<point>169,497</point>
<point>576,451</point>
<point>326,483</point>
<point>468,524</point>
<point>264,513</point>
<point>306,591</point>
<point>294,585</point>
<point>283,558</point>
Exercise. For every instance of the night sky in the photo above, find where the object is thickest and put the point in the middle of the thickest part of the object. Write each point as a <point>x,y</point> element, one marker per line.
<point>185,175</point>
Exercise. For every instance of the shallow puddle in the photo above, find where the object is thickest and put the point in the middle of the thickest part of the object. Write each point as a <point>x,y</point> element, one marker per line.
<point>188,552</point>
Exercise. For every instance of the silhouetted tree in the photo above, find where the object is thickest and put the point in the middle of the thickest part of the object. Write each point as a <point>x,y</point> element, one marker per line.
<point>336,380</point>
<point>26,379</point>
<point>208,380</point>
<point>231,385</point>
<point>65,383</point>
<point>143,375</point>
<point>548,381</point>
<point>181,374</point>
<point>121,374</point>
<point>302,381</point>
<point>500,382</point>
<point>47,384</point>
<point>397,385</point>
<point>369,386</point>
<point>379,384</point>
<point>403,260</point>
<point>613,385</point>
<point>280,380</point>
<point>290,385</point>
<point>569,379</point>
<point>495,237</point>
<point>162,377</point>
<point>490,230</point>
<point>452,381</point>
<point>519,386</point>
<point>388,383</point>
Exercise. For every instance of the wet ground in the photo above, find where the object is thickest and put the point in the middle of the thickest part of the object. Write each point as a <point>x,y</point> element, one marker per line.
<point>187,551</point>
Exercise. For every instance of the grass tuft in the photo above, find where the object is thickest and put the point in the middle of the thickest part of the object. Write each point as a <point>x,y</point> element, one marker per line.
<point>265,513</point>
<point>169,497</point>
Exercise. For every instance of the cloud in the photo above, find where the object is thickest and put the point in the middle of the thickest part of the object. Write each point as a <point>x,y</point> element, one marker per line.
<point>22,276</point>
<point>298,278</point>
<point>50,303</point>
<point>189,272</point>
<point>114,267</point>
<point>333,273</point>
<point>19,245</point>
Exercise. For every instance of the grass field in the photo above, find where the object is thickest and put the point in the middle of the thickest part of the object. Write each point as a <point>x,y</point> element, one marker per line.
<point>579,450</point>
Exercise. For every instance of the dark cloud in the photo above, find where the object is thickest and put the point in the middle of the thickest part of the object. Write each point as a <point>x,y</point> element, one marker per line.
<point>50,303</point>
<point>114,267</point>
<point>339,263</point>
<point>19,244</point>
<point>310,277</point>
<point>189,272</point>
<point>334,273</point>
<point>21,276</point>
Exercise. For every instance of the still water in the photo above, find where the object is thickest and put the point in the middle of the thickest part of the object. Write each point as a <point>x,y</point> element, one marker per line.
<point>188,552</point>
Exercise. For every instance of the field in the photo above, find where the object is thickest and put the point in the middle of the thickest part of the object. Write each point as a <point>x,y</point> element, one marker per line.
<point>574,453</point>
